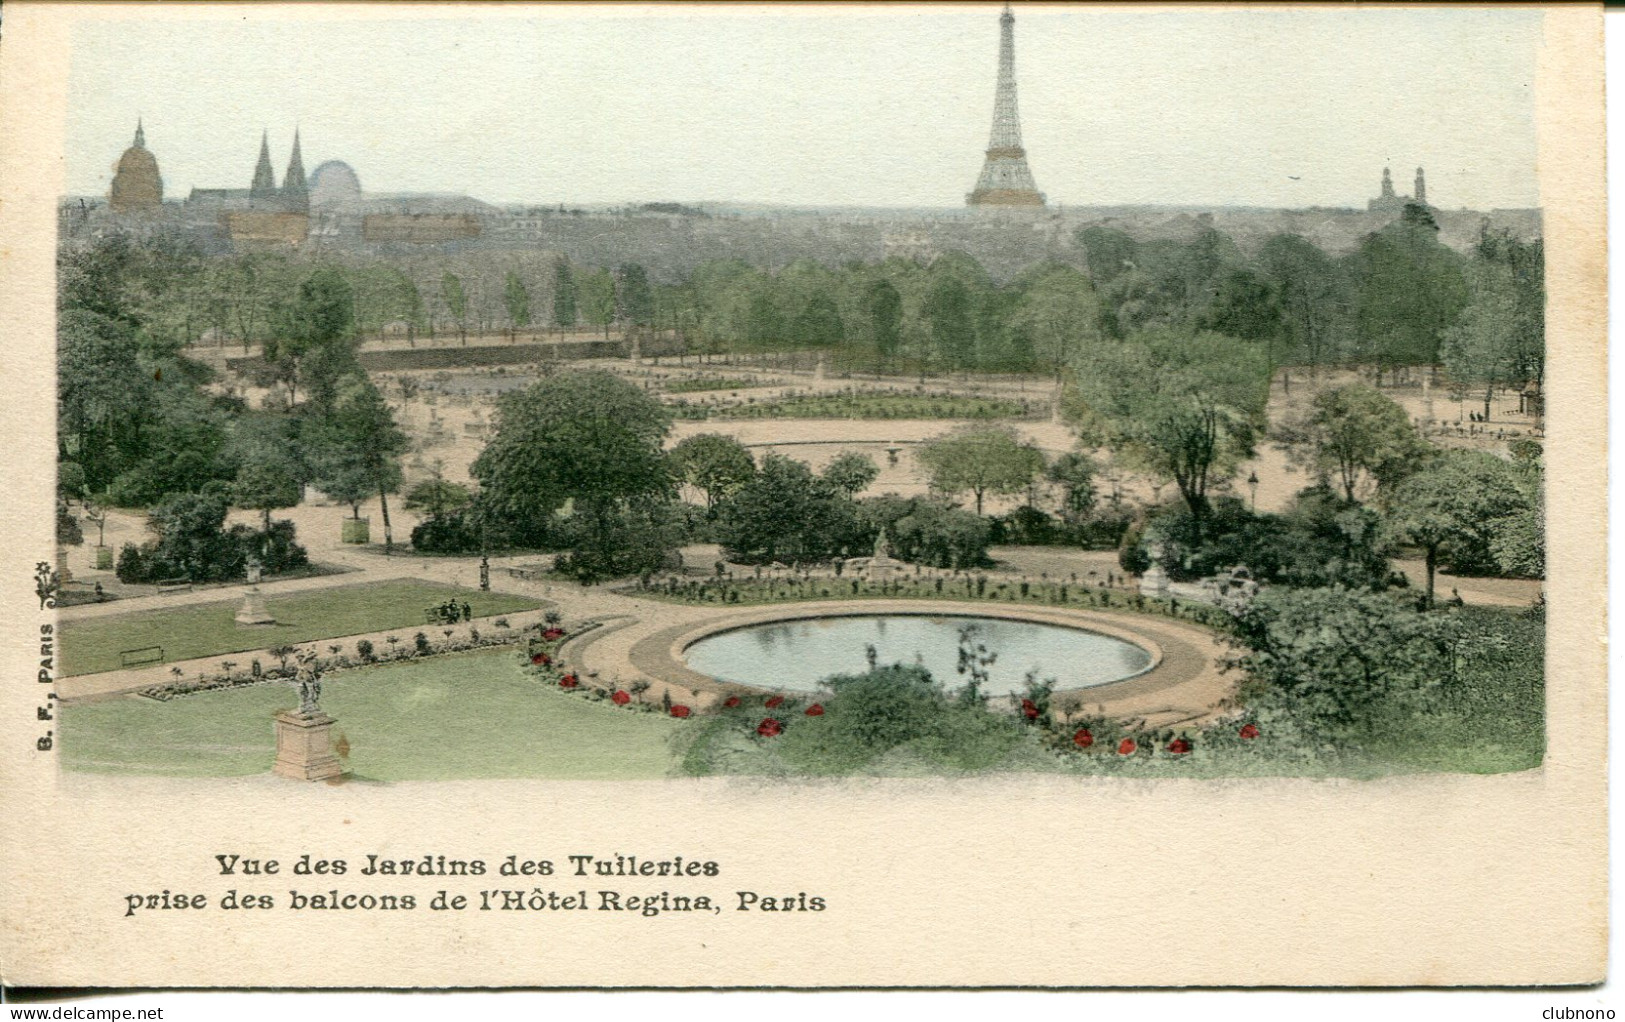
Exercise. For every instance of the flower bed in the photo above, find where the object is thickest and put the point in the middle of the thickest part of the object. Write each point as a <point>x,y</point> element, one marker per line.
<point>364,653</point>
<point>968,587</point>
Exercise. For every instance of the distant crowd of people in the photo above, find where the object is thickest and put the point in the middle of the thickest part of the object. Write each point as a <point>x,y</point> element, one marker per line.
<point>451,612</point>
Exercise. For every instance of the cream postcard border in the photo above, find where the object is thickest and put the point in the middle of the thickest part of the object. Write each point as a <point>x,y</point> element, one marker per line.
<point>1009,881</point>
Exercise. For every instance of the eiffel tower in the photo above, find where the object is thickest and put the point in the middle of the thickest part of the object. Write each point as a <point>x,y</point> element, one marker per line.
<point>1006,179</point>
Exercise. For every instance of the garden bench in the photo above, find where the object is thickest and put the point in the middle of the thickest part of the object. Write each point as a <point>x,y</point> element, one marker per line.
<point>174,585</point>
<point>142,657</point>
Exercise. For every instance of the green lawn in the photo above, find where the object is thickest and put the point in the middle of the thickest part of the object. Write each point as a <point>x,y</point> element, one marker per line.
<point>90,645</point>
<point>475,715</point>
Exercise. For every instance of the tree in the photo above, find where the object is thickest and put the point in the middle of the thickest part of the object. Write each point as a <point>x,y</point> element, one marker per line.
<point>981,460</point>
<point>517,298</point>
<point>587,438</point>
<point>360,450</point>
<point>1453,509</point>
<point>925,530</point>
<point>1109,253</point>
<point>948,313</point>
<point>851,472</point>
<point>597,297</point>
<point>1059,313</point>
<point>1409,289</point>
<point>564,295</point>
<point>1493,344</point>
<point>1244,305</point>
<point>456,301</point>
<point>437,497</point>
<point>1519,544</point>
<point>192,542</point>
<point>715,464</point>
<point>103,393</point>
<point>884,307</point>
<point>634,301</point>
<point>313,337</point>
<point>784,513</point>
<point>818,324</point>
<point>1074,472</point>
<point>1184,407</point>
<point>1312,293</point>
<point>266,486</point>
<point>1357,435</point>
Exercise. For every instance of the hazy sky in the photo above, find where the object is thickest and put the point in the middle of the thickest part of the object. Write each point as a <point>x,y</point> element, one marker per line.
<point>886,106</point>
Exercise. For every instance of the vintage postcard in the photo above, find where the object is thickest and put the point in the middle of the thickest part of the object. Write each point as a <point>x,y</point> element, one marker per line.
<point>685,495</point>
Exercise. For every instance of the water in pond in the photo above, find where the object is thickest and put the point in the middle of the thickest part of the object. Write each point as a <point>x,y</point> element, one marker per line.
<point>796,655</point>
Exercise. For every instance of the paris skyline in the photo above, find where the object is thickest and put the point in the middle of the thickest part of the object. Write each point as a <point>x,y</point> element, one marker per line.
<point>857,107</point>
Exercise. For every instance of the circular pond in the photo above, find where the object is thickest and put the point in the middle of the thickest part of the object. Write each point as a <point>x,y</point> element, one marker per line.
<point>796,655</point>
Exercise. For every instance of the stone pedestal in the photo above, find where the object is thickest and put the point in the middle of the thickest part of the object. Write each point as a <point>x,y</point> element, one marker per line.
<point>253,610</point>
<point>304,747</point>
<point>881,569</point>
<point>1154,582</point>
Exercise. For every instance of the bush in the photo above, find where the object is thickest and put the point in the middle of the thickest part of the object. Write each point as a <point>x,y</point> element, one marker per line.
<point>193,544</point>
<point>363,649</point>
<point>1335,654</point>
<point>890,711</point>
<point>1322,540</point>
<point>1025,526</point>
<point>451,532</point>
<point>925,530</point>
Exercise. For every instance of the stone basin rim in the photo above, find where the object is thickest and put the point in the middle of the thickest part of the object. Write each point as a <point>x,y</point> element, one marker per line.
<point>1081,621</point>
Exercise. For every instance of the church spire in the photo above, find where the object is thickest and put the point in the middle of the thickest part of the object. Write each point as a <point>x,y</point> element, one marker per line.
<point>1421,188</point>
<point>294,180</point>
<point>264,179</point>
<point>140,136</point>
<point>1387,184</point>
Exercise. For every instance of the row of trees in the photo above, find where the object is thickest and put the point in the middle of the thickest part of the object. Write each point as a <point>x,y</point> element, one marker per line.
<point>1401,298</point>
<point>140,423</point>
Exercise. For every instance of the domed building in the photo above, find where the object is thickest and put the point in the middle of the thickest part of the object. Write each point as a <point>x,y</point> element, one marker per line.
<point>334,183</point>
<point>137,186</point>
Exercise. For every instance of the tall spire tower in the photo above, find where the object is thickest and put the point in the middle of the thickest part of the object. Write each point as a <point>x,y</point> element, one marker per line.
<point>264,180</point>
<point>1006,179</point>
<point>294,179</point>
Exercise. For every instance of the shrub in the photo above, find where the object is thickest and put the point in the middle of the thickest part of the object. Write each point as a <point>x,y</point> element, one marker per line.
<point>1334,654</point>
<point>363,649</point>
<point>889,710</point>
<point>450,532</point>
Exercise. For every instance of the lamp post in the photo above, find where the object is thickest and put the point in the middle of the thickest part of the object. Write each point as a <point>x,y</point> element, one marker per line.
<point>1252,487</point>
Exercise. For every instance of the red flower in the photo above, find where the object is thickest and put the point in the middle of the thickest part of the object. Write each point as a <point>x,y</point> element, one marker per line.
<point>539,659</point>
<point>815,710</point>
<point>1249,731</point>
<point>568,681</point>
<point>1083,738</point>
<point>620,698</point>
<point>731,702</point>
<point>1179,746</point>
<point>775,701</point>
<point>679,710</point>
<point>552,633</point>
<point>1126,747</point>
<point>1029,709</point>
<point>769,727</point>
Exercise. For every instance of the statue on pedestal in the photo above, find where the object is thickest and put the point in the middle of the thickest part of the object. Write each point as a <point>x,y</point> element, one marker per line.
<point>309,682</point>
<point>881,565</point>
<point>253,611</point>
<point>1154,582</point>
<point>304,737</point>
